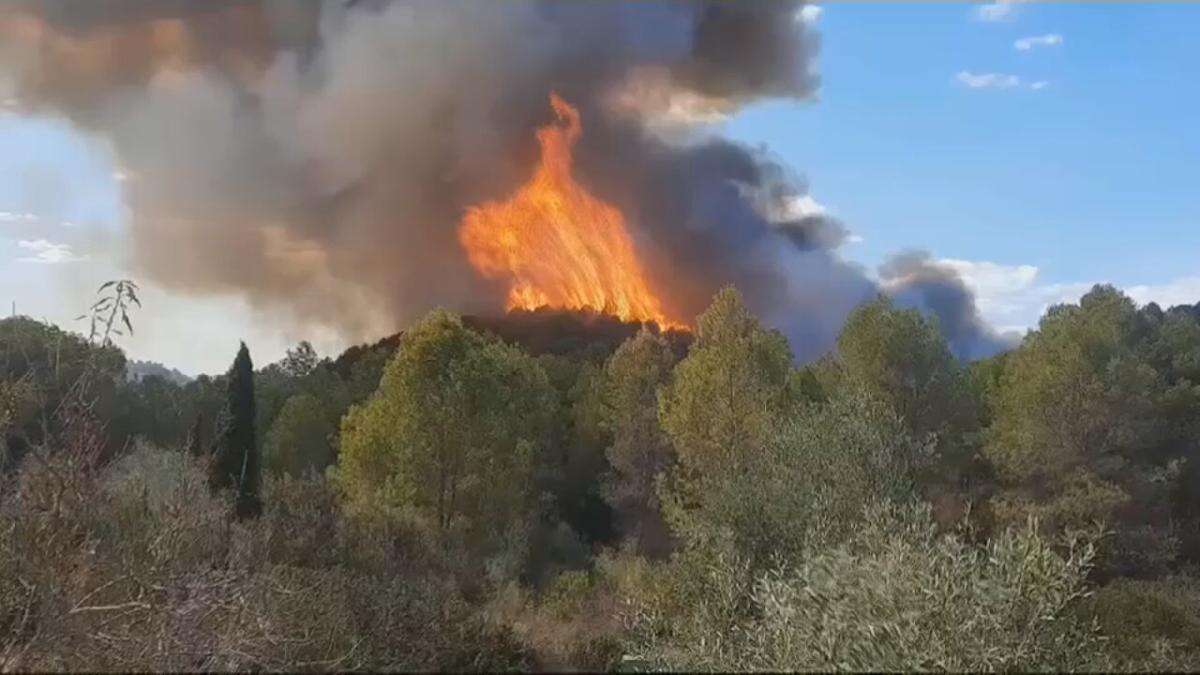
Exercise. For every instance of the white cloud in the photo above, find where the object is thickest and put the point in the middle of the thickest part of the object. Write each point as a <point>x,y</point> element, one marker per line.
<point>1010,298</point>
<point>854,239</point>
<point>989,278</point>
<point>1001,10</point>
<point>47,252</point>
<point>987,80</point>
<point>1003,293</point>
<point>805,207</point>
<point>1039,85</point>
<point>1048,40</point>
<point>13,217</point>
<point>1184,291</point>
<point>809,14</point>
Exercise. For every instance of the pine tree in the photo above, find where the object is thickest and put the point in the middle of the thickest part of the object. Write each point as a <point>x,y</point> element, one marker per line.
<point>236,464</point>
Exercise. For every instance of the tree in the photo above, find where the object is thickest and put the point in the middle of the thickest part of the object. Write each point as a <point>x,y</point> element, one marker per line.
<point>1089,413</point>
<point>300,360</point>
<point>722,406</point>
<point>195,440</point>
<point>236,462</point>
<point>639,451</point>
<point>900,358</point>
<point>299,440</point>
<point>52,368</point>
<point>151,408</point>
<point>452,432</point>
<point>723,398</point>
<point>1074,391</point>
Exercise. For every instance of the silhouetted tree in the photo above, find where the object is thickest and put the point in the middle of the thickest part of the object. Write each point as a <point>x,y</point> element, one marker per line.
<point>195,443</point>
<point>236,464</point>
<point>300,360</point>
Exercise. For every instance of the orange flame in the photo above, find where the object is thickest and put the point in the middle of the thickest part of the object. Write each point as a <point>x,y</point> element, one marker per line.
<point>559,245</point>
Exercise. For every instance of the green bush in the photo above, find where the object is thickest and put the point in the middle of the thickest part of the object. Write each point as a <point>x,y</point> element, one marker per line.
<point>896,596</point>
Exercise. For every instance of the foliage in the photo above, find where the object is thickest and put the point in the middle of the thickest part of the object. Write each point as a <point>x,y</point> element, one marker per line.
<point>1151,625</point>
<point>900,358</point>
<point>897,596</point>
<point>299,440</point>
<point>805,488</point>
<point>136,568</point>
<point>767,517</point>
<point>236,464</point>
<point>106,316</point>
<point>1074,391</point>
<point>453,431</point>
<point>152,408</point>
<point>724,398</point>
<point>1092,417</point>
<point>300,360</point>
<point>721,407</point>
<point>639,451</point>
<point>42,369</point>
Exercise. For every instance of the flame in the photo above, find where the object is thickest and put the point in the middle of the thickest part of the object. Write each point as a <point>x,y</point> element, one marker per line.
<point>557,244</point>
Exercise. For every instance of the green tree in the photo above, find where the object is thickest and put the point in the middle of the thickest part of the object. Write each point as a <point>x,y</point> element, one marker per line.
<point>639,451</point>
<point>453,430</point>
<point>722,407</point>
<point>1073,390</point>
<point>299,440</point>
<point>724,398</point>
<point>50,366</point>
<point>236,462</point>
<point>151,408</point>
<point>899,356</point>
<point>1087,417</point>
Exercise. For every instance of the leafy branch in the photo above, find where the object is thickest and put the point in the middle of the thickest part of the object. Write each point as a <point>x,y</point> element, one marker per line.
<point>111,311</point>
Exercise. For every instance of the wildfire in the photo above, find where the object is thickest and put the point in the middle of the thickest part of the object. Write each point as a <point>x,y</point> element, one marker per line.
<point>559,245</point>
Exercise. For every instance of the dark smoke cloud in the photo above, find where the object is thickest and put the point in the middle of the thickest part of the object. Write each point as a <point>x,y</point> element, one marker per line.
<point>319,155</point>
<point>914,279</point>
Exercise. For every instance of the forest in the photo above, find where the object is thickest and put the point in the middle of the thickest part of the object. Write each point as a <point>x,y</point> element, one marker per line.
<point>566,491</point>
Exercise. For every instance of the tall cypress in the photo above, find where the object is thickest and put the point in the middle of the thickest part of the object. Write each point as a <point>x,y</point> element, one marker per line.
<point>195,441</point>
<point>236,463</point>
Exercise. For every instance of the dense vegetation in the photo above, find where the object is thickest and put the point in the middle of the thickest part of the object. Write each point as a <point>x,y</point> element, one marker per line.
<point>552,491</point>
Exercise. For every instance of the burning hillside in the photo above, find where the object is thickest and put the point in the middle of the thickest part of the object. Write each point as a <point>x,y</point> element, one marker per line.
<point>580,333</point>
<point>557,244</point>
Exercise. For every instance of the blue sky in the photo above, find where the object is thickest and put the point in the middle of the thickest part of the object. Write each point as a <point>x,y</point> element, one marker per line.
<point>1089,177</point>
<point>1035,172</point>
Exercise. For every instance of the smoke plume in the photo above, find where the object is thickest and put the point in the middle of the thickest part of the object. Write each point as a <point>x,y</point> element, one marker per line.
<point>914,279</point>
<point>318,156</point>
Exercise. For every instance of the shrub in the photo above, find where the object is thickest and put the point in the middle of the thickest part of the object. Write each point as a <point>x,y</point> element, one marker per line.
<point>137,567</point>
<point>896,596</point>
<point>1151,625</point>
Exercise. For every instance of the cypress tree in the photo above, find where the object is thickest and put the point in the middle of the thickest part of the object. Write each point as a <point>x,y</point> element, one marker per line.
<point>195,442</point>
<point>236,464</point>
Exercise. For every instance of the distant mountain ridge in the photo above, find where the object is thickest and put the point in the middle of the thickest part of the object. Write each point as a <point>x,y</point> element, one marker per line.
<point>135,371</point>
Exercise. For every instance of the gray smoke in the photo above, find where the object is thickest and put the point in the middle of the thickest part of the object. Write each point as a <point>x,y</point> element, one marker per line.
<point>914,279</point>
<point>318,156</point>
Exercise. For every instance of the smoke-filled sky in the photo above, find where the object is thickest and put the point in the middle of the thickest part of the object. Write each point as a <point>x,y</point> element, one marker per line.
<point>276,171</point>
